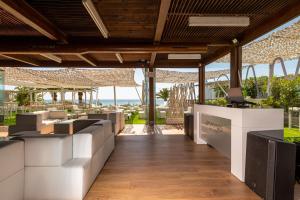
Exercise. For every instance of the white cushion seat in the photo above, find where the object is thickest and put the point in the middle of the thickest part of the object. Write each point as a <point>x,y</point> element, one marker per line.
<point>87,141</point>
<point>107,126</point>
<point>12,170</point>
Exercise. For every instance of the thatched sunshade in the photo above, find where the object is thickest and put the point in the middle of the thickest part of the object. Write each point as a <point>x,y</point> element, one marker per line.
<point>69,78</point>
<point>167,76</point>
<point>283,43</point>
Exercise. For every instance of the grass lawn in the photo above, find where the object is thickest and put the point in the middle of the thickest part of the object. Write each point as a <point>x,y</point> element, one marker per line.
<point>134,119</point>
<point>291,134</point>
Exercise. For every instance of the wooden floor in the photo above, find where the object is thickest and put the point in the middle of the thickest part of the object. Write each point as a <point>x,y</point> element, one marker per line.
<point>166,167</point>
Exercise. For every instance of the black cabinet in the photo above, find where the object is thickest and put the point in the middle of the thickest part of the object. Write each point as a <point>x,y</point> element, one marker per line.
<point>189,125</point>
<point>270,166</point>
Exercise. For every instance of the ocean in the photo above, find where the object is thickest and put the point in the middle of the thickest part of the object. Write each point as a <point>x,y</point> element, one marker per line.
<point>107,102</point>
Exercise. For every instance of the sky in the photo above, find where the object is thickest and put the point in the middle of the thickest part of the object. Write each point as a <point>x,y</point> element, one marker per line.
<point>131,93</point>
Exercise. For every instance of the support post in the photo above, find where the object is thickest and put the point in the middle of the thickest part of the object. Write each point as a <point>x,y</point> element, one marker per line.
<point>84,98</point>
<point>73,97</point>
<point>30,96</point>
<point>97,98</point>
<point>54,97</point>
<point>201,84</point>
<point>115,97</point>
<point>235,65</point>
<point>151,117</point>
<point>80,94</point>
<point>271,74</point>
<point>290,118</point>
<point>91,98</point>
<point>62,94</point>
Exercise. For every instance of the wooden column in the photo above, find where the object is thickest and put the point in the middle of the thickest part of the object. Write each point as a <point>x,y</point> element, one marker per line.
<point>201,84</point>
<point>235,65</point>
<point>151,117</point>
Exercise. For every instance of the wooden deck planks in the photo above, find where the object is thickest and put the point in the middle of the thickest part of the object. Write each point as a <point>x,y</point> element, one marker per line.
<point>166,167</point>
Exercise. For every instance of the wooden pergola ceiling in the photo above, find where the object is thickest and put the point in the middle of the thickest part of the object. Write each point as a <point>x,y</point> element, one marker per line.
<point>140,32</point>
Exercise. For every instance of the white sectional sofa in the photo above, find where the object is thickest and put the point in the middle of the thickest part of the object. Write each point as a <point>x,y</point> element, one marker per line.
<point>64,166</point>
<point>11,170</point>
<point>117,118</point>
<point>42,121</point>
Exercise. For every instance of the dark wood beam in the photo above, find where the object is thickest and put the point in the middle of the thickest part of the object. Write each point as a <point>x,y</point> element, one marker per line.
<point>103,64</point>
<point>152,59</point>
<point>88,59</point>
<point>285,15</point>
<point>23,59</point>
<point>161,21</point>
<point>235,66</point>
<point>52,57</point>
<point>85,48</point>
<point>25,13</point>
<point>119,57</point>
<point>162,18</point>
<point>201,85</point>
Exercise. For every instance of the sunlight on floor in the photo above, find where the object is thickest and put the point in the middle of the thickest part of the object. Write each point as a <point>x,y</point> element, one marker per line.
<point>141,129</point>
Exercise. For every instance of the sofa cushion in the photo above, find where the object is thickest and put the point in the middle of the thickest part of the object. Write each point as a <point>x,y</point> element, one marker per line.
<point>87,141</point>
<point>44,114</point>
<point>69,182</point>
<point>13,187</point>
<point>11,158</point>
<point>107,126</point>
<point>57,114</point>
<point>52,150</point>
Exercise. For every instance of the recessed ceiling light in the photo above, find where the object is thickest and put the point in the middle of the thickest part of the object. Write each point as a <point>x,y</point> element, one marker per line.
<point>219,21</point>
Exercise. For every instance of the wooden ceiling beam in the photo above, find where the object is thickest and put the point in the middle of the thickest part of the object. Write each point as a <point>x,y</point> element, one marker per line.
<point>152,59</point>
<point>88,59</point>
<point>162,18</point>
<point>161,21</point>
<point>22,59</point>
<point>52,57</point>
<point>28,15</point>
<point>93,12</point>
<point>27,48</point>
<point>119,57</point>
<point>104,64</point>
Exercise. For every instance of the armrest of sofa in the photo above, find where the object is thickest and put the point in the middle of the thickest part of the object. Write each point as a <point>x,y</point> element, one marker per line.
<point>28,122</point>
<point>11,158</point>
<point>82,123</point>
<point>47,150</point>
<point>87,141</point>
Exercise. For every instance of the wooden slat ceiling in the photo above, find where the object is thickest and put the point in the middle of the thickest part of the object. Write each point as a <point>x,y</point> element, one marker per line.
<point>10,26</point>
<point>135,22</point>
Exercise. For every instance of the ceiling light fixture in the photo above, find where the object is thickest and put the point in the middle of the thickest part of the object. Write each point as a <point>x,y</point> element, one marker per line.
<point>90,7</point>
<point>184,56</point>
<point>219,21</point>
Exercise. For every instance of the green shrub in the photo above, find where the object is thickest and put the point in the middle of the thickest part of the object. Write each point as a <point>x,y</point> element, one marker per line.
<point>217,102</point>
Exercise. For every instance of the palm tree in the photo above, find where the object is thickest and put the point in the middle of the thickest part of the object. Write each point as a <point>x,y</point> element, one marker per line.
<point>163,94</point>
